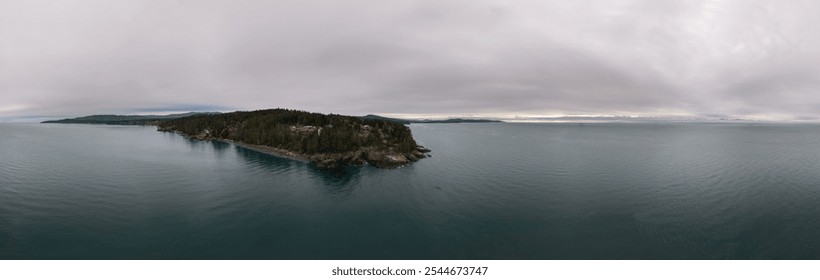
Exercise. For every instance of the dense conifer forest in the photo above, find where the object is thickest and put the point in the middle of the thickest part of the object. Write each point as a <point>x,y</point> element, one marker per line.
<point>298,131</point>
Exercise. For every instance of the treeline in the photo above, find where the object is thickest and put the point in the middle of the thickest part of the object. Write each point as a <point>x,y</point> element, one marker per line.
<point>298,131</point>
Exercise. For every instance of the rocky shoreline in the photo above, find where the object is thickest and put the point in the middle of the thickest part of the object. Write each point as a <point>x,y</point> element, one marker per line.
<point>379,157</point>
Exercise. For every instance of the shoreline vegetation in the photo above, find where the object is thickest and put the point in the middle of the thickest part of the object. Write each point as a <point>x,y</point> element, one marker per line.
<point>326,140</point>
<point>267,150</point>
<point>330,161</point>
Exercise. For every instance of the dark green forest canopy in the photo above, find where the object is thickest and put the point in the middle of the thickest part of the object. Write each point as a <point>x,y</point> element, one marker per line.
<point>298,131</point>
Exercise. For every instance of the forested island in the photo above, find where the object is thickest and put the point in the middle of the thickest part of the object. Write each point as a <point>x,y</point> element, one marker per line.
<point>329,141</point>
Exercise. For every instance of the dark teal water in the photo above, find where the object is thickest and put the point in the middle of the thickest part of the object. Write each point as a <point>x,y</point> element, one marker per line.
<point>490,191</point>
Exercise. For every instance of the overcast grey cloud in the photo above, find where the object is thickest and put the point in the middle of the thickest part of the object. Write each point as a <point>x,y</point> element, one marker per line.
<point>751,59</point>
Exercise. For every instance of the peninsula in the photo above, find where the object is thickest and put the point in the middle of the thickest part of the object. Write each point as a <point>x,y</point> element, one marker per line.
<point>329,141</point>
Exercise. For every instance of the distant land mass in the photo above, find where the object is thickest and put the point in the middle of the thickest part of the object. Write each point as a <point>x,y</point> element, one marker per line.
<point>327,140</point>
<point>155,119</point>
<point>409,121</point>
<point>128,119</point>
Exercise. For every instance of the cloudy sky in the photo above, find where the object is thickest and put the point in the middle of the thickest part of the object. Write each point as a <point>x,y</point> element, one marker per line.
<point>709,58</point>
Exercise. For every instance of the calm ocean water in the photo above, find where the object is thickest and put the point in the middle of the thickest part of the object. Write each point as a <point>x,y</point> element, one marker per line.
<point>490,191</point>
